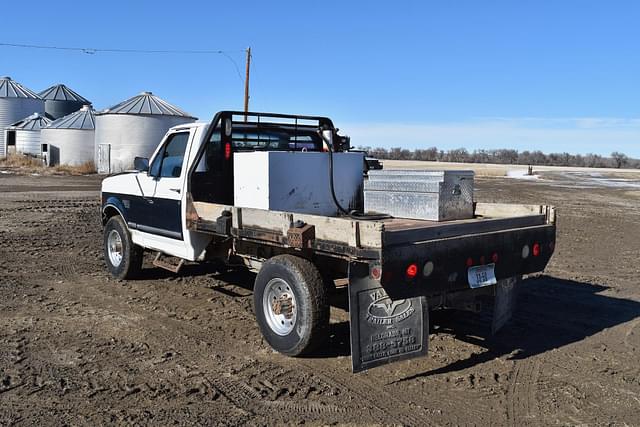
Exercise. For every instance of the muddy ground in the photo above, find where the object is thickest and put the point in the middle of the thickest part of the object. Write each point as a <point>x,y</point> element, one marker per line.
<point>79,348</point>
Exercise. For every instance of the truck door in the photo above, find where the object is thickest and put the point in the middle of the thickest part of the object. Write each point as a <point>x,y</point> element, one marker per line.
<point>166,170</point>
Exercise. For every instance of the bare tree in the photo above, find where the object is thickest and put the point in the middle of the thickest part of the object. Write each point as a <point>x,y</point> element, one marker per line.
<point>506,156</point>
<point>620,159</point>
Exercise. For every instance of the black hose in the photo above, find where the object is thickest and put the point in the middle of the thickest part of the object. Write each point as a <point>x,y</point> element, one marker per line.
<point>352,214</point>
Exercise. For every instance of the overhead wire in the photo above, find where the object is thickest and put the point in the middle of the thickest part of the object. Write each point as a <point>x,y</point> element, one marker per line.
<point>93,51</point>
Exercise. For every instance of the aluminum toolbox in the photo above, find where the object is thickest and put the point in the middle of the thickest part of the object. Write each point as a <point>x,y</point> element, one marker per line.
<point>420,194</point>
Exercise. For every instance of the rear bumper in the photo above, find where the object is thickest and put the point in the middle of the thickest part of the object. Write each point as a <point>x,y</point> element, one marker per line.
<point>450,259</point>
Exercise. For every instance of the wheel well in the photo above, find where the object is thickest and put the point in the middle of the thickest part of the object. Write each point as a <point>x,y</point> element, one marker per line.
<point>109,212</point>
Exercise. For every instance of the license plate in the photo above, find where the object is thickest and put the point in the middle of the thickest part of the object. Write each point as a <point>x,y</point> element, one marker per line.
<point>482,275</point>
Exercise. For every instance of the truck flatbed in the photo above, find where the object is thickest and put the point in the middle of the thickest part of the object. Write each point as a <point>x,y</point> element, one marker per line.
<point>364,237</point>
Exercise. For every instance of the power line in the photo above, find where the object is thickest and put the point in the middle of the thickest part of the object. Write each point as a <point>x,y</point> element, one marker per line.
<point>93,51</point>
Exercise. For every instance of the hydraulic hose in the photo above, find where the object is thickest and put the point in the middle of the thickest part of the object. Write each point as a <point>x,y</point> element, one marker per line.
<point>352,214</point>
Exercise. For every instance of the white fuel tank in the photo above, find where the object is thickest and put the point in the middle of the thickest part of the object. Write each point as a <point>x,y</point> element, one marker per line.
<point>297,181</point>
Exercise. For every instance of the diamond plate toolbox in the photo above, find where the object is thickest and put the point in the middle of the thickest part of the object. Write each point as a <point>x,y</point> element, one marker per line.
<point>420,194</point>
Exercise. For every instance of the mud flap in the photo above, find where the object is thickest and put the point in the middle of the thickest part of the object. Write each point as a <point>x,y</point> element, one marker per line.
<point>382,330</point>
<point>504,303</point>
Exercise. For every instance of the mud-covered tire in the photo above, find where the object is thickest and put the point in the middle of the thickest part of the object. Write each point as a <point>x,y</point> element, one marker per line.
<point>117,240</point>
<point>285,276</point>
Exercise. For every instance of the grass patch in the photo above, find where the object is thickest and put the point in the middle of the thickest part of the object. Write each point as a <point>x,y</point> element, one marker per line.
<point>24,164</point>
<point>86,168</point>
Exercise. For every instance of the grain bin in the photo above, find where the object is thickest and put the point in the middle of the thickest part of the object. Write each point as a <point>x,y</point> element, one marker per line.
<point>27,133</point>
<point>60,101</point>
<point>133,128</point>
<point>16,102</point>
<point>71,139</point>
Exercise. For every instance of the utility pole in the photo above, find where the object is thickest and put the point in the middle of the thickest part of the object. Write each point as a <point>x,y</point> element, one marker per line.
<point>246,83</point>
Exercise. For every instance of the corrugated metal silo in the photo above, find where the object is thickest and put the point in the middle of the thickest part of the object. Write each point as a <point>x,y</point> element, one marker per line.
<point>27,133</point>
<point>59,101</point>
<point>133,128</point>
<point>16,102</point>
<point>71,139</point>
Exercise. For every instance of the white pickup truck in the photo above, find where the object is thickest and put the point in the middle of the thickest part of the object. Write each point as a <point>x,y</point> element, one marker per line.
<point>180,206</point>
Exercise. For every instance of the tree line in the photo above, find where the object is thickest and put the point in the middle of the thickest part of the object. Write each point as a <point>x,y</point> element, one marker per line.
<point>505,156</point>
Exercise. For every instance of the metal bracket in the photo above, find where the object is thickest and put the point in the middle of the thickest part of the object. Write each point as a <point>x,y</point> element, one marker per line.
<point>301,237</point>
<point>174,268</point>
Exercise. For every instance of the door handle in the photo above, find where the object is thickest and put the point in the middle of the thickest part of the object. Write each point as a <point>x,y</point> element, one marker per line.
<point>177,190</point>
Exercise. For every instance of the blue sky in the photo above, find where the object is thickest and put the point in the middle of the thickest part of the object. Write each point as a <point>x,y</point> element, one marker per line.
<point>548,75</point>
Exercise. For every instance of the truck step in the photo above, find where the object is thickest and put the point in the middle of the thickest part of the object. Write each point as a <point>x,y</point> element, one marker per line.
<point>164,263</point>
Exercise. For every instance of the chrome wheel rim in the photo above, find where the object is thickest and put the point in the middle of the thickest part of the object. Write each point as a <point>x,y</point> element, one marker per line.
<point>279,306</point>
<point>114,248</point>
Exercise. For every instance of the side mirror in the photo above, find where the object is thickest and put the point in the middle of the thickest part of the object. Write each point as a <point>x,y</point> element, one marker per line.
<point>141,164</point>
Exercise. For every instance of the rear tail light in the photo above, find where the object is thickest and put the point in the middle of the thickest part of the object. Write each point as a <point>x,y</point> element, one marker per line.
<point>412,271</point>
<point>494,257</point>
<point>227,151</point>
<point>469,262</point>
<point>536,249</point>
<point>375,272</point>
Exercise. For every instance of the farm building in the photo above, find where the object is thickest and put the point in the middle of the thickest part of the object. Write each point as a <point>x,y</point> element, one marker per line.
<point>16,103</point>
<point>132,129</point>
<point>60,101</point>
<point>71,139</point>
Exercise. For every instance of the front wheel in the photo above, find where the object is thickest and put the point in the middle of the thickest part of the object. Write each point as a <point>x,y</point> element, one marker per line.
<point>291,306</point>
<point>123,257</point>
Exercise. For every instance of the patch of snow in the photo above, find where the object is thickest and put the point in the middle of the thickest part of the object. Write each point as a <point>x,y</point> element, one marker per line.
<point>520,174</point>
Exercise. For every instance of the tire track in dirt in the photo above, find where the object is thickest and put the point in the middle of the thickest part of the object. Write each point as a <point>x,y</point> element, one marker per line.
<point>388,407</point>
<point>631,334</point>
<point>522,404</point>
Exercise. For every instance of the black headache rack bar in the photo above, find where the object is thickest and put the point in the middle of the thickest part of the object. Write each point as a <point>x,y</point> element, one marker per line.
<point>270,120</point>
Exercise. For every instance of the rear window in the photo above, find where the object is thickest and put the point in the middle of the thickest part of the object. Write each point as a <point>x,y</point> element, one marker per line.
<point>251,140</point>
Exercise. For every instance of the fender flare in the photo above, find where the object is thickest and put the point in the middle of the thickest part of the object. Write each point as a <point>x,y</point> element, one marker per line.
<point>115,203</point>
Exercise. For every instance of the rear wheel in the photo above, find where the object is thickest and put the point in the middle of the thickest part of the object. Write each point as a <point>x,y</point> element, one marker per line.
<point>291,306</point>
<point>122,256</point>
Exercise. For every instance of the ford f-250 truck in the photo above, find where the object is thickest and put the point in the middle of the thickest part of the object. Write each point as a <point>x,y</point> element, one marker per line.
<point>180,206</point>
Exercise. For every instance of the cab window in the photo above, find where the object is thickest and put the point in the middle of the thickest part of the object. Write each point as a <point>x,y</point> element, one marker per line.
<point>168,161</point>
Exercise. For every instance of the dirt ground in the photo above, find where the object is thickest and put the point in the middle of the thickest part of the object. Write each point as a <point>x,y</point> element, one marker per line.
<point>79,348</point>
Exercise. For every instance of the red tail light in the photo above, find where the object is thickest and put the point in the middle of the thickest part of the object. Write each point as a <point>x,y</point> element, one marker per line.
<point>412,271</point>
<point>375,272</point>
<point>469,262</point>
<point>227,151</point>
<point>494,257</point>
<point>536,249</point>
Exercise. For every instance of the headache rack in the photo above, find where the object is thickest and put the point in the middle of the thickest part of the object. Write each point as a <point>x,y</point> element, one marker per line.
<point>260,127</point>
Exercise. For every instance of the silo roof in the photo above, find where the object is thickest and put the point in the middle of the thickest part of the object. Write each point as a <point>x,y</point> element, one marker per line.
<point>146,103</point>
<point>36,121</point>
<point>61,92</point>
<point>81,119</point>
<point>12,89</point>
